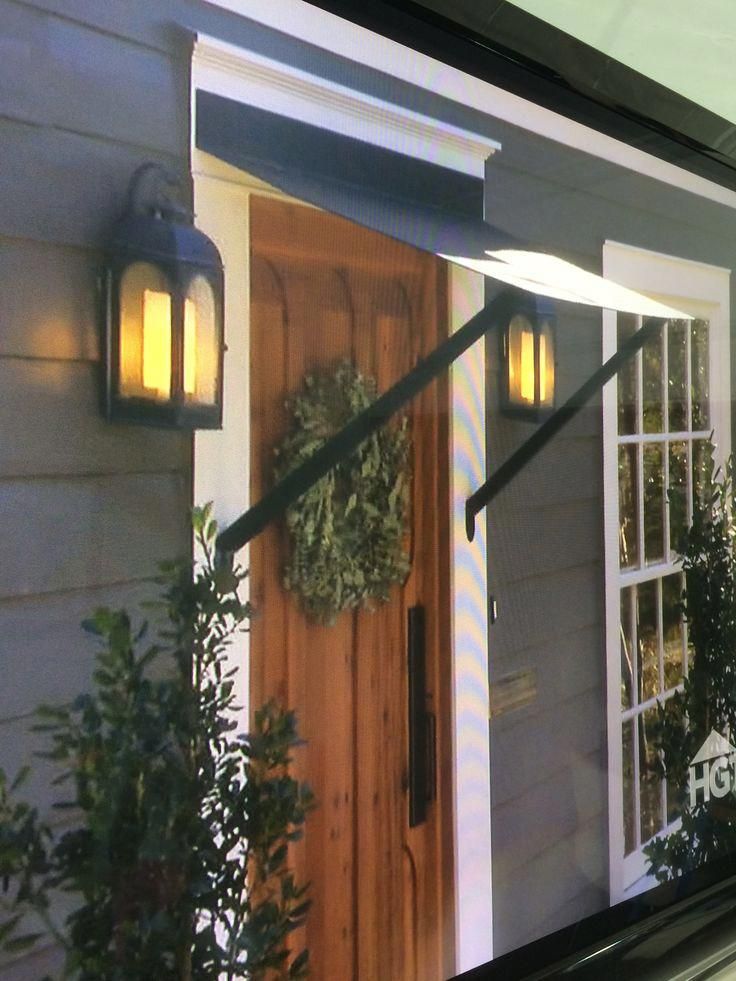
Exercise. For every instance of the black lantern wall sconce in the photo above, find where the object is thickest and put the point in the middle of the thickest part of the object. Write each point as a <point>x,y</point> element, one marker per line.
<point>528,358</point>
<point>163,286</point>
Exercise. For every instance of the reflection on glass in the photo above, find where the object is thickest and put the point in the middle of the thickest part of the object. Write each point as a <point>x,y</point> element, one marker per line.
<point>677,495</point>
<point>700,382</point>
<point>647,630</point>
<point>675,792</point>
<point>652,362</point>
<point>145,333</point>
<point>627,647</point>
<point>672,630</point>
<point>654,512</point>
<point>702,470</point>
<point>201,343</point>
<point>628,788</point>
<point>628,504</point>
<point>650,781</point>
<point>674,800</point>
<point>627,378</point>
<point>677,375</point>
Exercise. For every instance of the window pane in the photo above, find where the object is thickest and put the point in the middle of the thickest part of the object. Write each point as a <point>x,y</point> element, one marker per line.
<point>627,647</point>
<point>650,781</point>
<point>702,471</point>
<point>628,502</point>
<point>145,333</point>
<point>677,375</point>
<point>647,628</point>
<point>677,495</point>
<point>201,343</point>
<point>652,362</point>
<point>627,379</point>
<point>628,787</point>
<point>700,382</point>
<point>673,630</point>
<point>654,514</point>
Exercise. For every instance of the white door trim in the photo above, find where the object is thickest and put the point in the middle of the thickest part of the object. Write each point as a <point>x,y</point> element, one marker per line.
<point>245,76</point>
<point>469,584</point>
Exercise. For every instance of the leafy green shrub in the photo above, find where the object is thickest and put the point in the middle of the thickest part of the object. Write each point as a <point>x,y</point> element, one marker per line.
<point>708,698</point>
<point>178,859</point>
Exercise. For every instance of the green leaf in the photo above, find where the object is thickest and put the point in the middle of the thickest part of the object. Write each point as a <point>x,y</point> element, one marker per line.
<point>9,926</point>
<point>299,965</point>
<point>20,778</point>
<point>24,942</point>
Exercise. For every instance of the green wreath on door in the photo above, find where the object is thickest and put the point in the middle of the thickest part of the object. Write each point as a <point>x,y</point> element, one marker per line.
<point>348,533</point>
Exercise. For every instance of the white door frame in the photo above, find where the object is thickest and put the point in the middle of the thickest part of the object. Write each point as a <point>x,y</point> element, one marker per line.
<point>221,459</point>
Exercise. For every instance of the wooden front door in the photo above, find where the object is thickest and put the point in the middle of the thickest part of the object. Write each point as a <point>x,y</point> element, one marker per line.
<point>322,290</point>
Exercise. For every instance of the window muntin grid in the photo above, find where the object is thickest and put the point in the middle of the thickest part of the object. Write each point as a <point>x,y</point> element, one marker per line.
<point>663,420</point>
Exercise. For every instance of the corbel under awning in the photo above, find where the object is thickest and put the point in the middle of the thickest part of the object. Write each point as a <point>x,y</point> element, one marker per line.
<point>434,209</point>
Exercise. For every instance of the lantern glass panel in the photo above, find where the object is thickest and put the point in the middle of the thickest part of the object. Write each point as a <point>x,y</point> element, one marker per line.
<point>521,361</point>
<point>546,366</point>
<point>201,343</point>
<point>145,333</point>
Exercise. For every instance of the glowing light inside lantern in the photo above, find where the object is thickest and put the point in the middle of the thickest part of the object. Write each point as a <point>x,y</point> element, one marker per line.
<point>190,347</point>
<point>157,342</point>
<point>527,366</point>
<point>542,368</point>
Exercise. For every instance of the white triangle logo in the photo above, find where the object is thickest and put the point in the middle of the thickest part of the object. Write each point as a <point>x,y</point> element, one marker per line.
<point>715,745</point>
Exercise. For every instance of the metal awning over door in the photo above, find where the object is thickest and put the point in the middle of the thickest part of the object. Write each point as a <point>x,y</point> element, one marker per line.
<point>425,205</point>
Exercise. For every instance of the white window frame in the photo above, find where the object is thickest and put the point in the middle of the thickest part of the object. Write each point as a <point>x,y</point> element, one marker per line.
<point>700,290</point>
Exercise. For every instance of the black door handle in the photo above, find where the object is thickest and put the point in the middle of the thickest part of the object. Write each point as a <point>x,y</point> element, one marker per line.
<point>431,729</point>
<point>422,723</point>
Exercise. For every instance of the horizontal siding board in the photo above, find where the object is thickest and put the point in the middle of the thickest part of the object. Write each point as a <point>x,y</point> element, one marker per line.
<point>47,631</point>
<point>67,188</point>
<point>561,745</point>
<point>144,23</point>
<point>563,667</point>
<point>590,899</point>
<point>536,541</point>
<point>65,534</point>
<point>50,411</point>
<point>569,666</point>
<point>569,801</point>
<point>536,611</point>
<point>554,185</point>
<point>548,476</point>
<point>76,90</point>
<point>579,868</point>
<point>48,301</point>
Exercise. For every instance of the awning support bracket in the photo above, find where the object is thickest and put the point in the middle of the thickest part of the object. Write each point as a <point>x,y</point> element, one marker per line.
<point>367,422</point>
<point>343,443</point>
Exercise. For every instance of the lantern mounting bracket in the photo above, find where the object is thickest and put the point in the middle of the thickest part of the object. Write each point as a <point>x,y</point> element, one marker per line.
<point>150,192</point>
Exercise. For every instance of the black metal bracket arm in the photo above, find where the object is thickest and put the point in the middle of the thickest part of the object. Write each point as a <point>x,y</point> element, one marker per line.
<point>528,450</point>
<point>342,444</point>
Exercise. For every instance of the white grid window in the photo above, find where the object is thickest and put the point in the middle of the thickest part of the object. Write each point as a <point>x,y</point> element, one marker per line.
<point>659,414</point>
